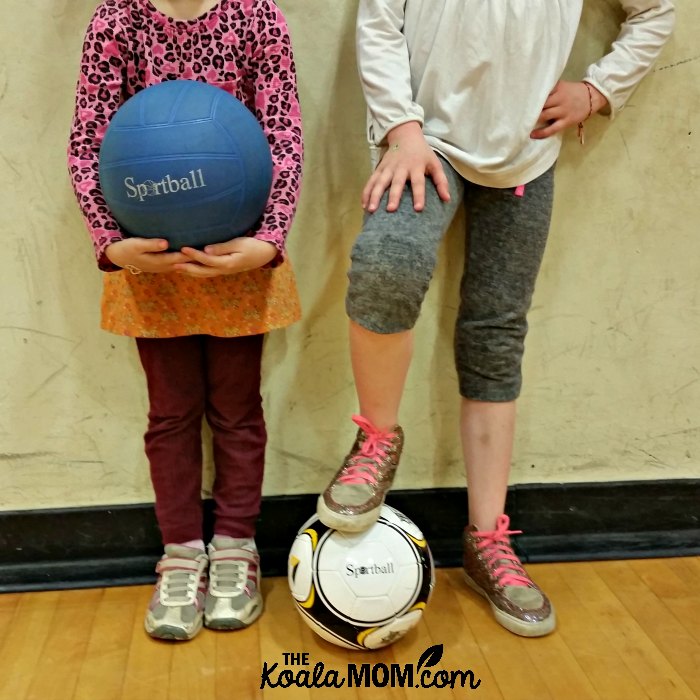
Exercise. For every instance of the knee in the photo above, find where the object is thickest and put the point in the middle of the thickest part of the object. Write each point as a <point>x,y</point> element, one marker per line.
<point>388,279</point>
<point>238,415</point>
<point>172,416</point>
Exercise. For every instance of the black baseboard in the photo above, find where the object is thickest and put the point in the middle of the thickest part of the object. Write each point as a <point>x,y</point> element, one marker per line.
<point>119,545</point>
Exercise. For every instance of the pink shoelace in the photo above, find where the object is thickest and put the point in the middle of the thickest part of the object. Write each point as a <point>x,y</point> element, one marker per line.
<point>364,466</point>
<point>498,553</point>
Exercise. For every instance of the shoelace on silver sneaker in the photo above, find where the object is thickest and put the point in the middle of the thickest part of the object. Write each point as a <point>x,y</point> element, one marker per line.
<point>228,577</point>
<point>178,586</point>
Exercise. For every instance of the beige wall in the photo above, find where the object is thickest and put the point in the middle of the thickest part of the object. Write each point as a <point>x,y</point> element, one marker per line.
<point>613,362</point>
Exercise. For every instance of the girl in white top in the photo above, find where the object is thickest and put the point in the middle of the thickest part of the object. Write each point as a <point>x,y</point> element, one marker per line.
<point>475,75</point>
<point>466,106</point>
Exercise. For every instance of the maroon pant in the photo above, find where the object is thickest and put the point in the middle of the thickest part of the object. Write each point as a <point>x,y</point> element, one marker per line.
<point>218,378</point>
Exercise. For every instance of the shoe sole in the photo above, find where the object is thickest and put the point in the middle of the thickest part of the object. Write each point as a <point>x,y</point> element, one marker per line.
<point>229,624</point>
<point>346,523</point>
<point>170,633</point>
<point>511,623</point>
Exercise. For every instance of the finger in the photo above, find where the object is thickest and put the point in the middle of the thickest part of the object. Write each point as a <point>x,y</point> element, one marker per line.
<point>551,114</point>
<point>548,131</point>
<point>553,99</point>
<point>442,185</point>
<point>367,192</point>
<point>158,262</point>
<point>150,245</point>
<point>196,270</point>
<point>396,188</point>
<point>199,256</point>
<point>550,102</point>
<point>377,189</point>
<point>225,248</point>
<point>164,259</point>
<point>418,191</point>
<point>225,264</point>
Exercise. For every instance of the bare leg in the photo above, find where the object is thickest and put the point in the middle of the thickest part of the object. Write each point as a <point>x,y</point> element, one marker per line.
<point>380,363</point>
<point>393,260</point>
<point>488,430</point>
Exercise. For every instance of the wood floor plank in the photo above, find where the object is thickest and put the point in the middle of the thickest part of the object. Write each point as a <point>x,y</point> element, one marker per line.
<point>626,631</point>
<point>338,658</point>
<point>149,661</point>
<point>408,650</point>
<point>9,603</point>
<point>674,582</point>
<point>193,668</point>
<point>102,671</point>
<point>653,671</point>
<point>8,606</point>
<point>563,674</point>
<point>505,653</point>
<point>580,630</point>
<point>447,625</point>
<point>23,642</point>
<point>684,568</point>
<point>238,666</point>
<point>280,631</point>
<point>668,578</point>
<point>63,650</point>
<point>332,657</point>
<point>691,562</point>
<point>679,647</point>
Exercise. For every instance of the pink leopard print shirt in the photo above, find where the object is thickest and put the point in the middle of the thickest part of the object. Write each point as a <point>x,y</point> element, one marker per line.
<point>242,46</point>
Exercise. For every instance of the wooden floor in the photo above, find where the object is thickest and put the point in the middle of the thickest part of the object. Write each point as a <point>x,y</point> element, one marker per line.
<point>627,630</point>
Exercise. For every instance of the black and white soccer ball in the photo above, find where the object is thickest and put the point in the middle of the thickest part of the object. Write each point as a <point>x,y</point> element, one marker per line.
<point>361,590</point>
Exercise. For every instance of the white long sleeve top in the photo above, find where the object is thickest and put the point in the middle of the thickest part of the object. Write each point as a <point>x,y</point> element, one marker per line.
<point>476,74</point>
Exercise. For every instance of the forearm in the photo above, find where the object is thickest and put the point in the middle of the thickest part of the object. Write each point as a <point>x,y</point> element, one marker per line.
<point>98,96</point>
<point>643,35</point>
<point>279,112</point>
<point>287,156</point>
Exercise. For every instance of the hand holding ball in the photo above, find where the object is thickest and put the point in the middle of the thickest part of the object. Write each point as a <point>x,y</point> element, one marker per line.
<point>185,161</point>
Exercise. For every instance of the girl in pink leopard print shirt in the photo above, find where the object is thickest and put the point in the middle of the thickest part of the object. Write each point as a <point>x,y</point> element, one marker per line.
<point>198,317</point>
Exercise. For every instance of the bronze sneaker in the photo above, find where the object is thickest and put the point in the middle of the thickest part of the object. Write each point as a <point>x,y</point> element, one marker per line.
<point>353,499</point>
<point>492,569</point>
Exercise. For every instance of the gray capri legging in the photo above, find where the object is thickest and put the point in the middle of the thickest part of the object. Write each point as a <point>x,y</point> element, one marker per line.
<point>395,254</point>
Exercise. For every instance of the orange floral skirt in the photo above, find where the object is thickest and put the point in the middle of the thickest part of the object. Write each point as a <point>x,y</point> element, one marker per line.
<point>170,305</point>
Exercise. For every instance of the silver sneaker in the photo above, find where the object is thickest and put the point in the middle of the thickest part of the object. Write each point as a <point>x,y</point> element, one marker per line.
<point>354,498</point>
<point>233,600</point>
<point>177,605</point>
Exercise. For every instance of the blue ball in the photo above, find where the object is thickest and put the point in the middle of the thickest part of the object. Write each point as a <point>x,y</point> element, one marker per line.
<point>185,161</point>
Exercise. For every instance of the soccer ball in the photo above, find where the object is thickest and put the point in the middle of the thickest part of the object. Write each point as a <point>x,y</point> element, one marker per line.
<point>361,590</point>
